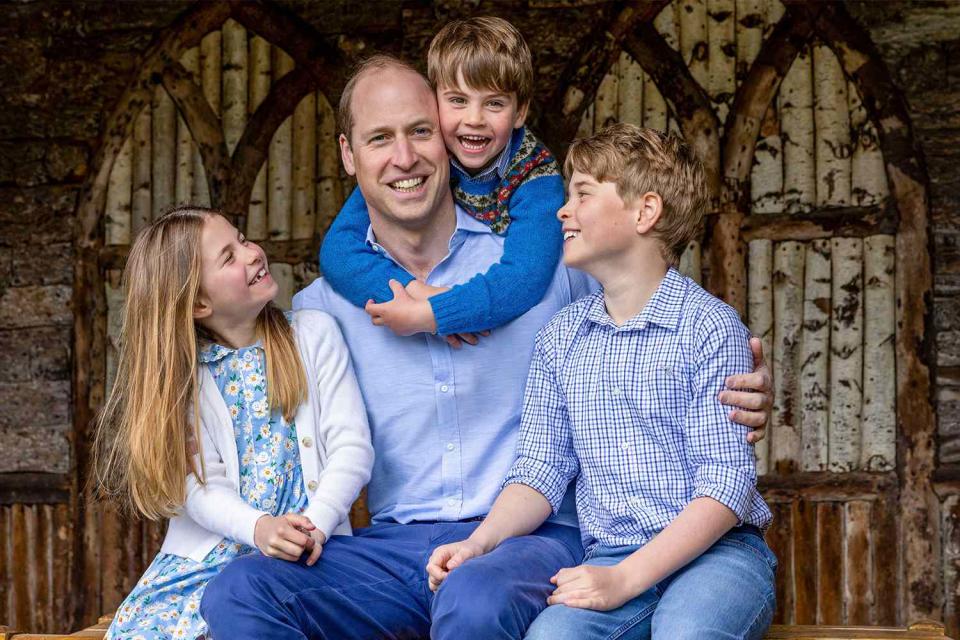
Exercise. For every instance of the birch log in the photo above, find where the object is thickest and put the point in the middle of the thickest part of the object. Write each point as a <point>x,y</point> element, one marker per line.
<point>586,123</point>
<point>234,96</point>
<point>666,23</point>
<point>869,177</point>
<point>788,262</point>
<point>796,129</point>
<point>630,88</point>
<point>655,112</point>
<point>329,189</point>
<point>749,34</point>
<point>760,311</point>
<point>722,55</point>
<point>690,265</point>
<point>186,149</point>
<point>210,73</point>
<point>846,354</point>
<point>605,104</point>
<point>113,293</point>
<point>260,79</point>
<point>119,194</point>
<point>878,452</point>
<point>775,11</point>
<point>279,175</point>
<point>140,204</point>
<point>693,37</point>
<point>164,152</point>
<point>766,175</point>
<point>283,275</point>
<point>304,167</point>
<point>814,358</point>
<point>832,126</point>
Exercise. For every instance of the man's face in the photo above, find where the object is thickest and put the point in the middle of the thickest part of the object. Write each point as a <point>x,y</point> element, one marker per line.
<point>396,150</point>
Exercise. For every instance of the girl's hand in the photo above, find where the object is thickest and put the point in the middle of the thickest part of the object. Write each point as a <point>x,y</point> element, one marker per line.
<point>317,540</point>
<point>285,537</point>
<point>404,315</point>
<point>590,587</point>
<point>448,557</point>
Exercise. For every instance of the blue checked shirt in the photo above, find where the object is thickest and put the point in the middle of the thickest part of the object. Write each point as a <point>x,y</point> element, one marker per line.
<point>632,413</point>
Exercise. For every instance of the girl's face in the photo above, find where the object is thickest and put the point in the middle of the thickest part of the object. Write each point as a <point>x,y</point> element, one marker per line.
<point>235,283</point>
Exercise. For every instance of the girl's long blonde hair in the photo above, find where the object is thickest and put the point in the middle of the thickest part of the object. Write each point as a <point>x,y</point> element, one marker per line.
<point>149,428</point>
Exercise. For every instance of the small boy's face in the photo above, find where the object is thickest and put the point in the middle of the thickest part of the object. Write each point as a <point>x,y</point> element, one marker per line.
<point>598,227</point>
<point>477,124</point>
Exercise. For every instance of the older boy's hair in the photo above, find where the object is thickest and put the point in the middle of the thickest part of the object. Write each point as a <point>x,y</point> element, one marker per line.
<point>488,51</point>
<point>375,62</point>
<point>641,160</point>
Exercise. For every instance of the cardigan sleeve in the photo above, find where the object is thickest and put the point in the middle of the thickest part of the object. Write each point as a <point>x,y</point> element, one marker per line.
<point>354,270</point>
<point>342,430</point>
<point>520,279</point>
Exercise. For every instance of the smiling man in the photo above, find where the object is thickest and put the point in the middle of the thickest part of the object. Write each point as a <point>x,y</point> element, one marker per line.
<point>443,421</point>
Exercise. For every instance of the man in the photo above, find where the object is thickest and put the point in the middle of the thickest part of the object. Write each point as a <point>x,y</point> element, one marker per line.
<point>443,421</point>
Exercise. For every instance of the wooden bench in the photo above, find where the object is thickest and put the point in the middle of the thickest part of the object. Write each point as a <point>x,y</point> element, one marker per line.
<point>916,631</point>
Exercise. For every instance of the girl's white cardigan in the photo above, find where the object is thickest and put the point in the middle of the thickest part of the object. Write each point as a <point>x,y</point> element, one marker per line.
<point>332,433</point>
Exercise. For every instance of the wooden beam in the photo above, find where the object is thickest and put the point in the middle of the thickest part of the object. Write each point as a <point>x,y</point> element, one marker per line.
<point>35,488</point>
<point>856,222</point>
<point>827,486</point>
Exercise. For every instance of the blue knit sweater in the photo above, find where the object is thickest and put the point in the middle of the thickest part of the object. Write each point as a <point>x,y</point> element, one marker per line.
<point>525,199</point>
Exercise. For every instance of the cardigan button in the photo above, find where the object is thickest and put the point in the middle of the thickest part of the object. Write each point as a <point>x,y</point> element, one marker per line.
<point>312,485</point>
<point>307,441</point>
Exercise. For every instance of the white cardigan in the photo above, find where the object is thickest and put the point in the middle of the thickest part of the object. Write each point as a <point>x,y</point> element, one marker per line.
<point>332,434</point>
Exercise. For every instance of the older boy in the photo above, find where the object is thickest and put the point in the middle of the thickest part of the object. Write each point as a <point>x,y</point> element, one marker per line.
<point>622,397</point>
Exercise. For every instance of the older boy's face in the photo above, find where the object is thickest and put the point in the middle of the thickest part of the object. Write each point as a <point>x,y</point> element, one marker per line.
<point>396,150</point>
<point>598,226</point>
<point>477,123</point>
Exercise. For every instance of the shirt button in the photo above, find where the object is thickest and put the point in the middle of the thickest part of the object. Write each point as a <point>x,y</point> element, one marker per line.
<point>451,502</point>
<point>450,446</point>
<point>262,457</point>
<point>307,441</point>
<point>624,445</point>
<point>615,391</point>
<point>312,485</point>
<point>444,388</point>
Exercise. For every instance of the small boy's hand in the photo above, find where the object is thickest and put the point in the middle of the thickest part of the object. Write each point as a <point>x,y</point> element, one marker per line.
<point>315,546</point>
<point>751,394</point>
<point>283,537</point>
<point>421,290</point>
<point>590,587</point>
<point>448,557</point>
<point>404,315</point>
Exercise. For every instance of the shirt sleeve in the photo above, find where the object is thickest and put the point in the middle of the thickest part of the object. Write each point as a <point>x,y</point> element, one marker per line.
<point>354,270</point>
<point>545,459</point>
<point>514,285</point>
<point>723,460</point>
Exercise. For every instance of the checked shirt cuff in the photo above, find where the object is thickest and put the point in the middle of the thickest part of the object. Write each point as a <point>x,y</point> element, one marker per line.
<point>540,476</point>
<point>729,486</point>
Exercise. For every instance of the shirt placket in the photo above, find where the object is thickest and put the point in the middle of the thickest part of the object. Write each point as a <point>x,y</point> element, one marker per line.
<point>451,480</point>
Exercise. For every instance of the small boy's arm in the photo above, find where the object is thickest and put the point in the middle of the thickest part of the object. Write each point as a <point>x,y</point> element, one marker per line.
<point>353,268</point>
<point>514,285</point>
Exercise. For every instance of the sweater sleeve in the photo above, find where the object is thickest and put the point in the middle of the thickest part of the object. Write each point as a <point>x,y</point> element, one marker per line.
<point>520,279</point>
<point>353,269</point>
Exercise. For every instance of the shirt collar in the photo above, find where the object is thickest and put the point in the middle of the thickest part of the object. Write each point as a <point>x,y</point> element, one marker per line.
<point>499,167</point>
<point>664,308</point>
<point>465,224</point>
<point>213,352</point>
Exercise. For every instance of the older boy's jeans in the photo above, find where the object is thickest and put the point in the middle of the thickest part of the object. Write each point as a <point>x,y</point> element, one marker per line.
<point>728,592</point>
<point>374,585</point>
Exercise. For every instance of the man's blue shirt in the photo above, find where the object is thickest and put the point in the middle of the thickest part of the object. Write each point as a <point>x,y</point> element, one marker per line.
<point>444,422</point>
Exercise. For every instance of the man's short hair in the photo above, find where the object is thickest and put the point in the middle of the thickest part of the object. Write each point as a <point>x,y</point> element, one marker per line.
<point>641,160</point>
<point>375,62</point>
<point>489,52</point>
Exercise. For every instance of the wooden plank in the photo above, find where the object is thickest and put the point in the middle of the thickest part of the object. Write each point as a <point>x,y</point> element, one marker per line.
<point>814,356</point>
<point>111,542</point>
<point>63,533</point>
<point>830,563</point>
<point>846,354</point>
<point>119,194</point>
<point>760,310</point>
<point>797,131</point>
<point>260,80</point>
<point>32,564</point>
<point>22,608</point>
<point>827,486</point>
<point>279,175</point>
<point>780,539</point>
<point>885,552</point>
<point>141,200</point>
<point>858,578</point>
<point>630,91</point>
<point>329,189</point>
<point>721,55</point>
<point>832,122</point>
<point>186,149</point>
<point>44,567</point>
<point>113,293</point>
<point>788,265</point>
<point>804,518</point>
<point>851,222</point>
<point>6,563</point>
<point>304,212</point>
<point>163,151</point>
<point>234,82</point>
<point>878,452</point>
<point>92,570</point>
<point>210,77</point>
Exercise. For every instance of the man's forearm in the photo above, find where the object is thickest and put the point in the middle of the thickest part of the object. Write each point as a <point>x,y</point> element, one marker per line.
<point>701,523</point>
<point>518,510</point>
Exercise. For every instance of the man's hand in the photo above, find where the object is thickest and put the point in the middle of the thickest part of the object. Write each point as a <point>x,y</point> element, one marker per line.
<point>448,557</point>
<point>456,340</point>
<point>751,395</point>
<point>404,315</point>
<point>590,587</point>
<point>285,537</point>
<point>315,546</point>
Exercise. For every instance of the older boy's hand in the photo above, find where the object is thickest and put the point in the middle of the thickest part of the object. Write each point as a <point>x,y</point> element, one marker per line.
<point>448,557</point>
<point>590,587</point>
<point>751,394</point>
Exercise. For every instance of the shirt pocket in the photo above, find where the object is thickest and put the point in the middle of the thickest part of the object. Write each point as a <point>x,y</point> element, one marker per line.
<point>661,400</point>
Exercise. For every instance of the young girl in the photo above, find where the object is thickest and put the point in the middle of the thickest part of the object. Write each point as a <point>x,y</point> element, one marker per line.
<point>247,430</point>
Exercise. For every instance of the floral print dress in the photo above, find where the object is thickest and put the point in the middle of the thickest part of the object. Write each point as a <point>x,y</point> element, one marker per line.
<point>165,603</point>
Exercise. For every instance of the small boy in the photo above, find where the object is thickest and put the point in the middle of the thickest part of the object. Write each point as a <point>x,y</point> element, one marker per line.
<point>622,397</point>
<point>501,174</point>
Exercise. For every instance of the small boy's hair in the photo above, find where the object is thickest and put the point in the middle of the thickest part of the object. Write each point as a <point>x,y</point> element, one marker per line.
<point>489,52</point>
<point>641,160</point>
<point>375,62</point>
